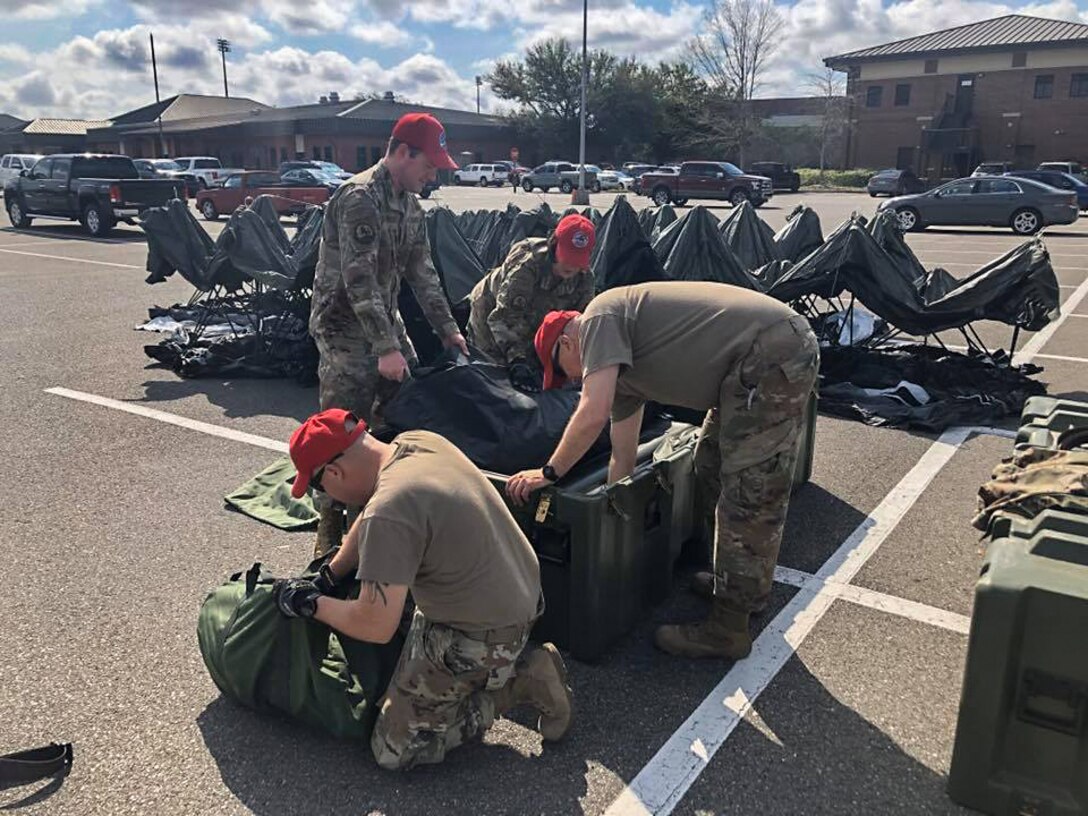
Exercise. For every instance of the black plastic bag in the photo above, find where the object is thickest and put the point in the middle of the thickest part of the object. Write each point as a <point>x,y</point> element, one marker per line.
<point>749,236</point>
<point>800,236</point>
<point>692,249</point>
<point>622,255</point>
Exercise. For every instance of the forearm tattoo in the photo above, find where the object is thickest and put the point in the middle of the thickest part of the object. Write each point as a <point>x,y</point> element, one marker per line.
<point>372,590</point>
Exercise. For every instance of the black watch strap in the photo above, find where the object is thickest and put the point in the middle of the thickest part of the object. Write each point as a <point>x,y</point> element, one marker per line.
<point>549,473</point>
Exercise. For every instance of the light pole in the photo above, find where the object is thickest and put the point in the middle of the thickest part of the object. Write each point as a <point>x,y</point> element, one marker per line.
<point>224,47</point>
<point>479,82</point>
<point>581,195</point>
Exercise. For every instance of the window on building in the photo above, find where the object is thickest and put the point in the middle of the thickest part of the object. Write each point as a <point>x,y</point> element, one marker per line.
<point>317,153</point>
<point>1044,86</point>
<point>904,158</point>
<point>328,153</point>
<point>271,157</point>
<point>902,95</point>
<point>1019,59</point>
<point>873,96</point>
<point>360,158</point>
<point>283,154</point>
<point>1078,85</point>
<point>376,154</point>
<point>931,66</point>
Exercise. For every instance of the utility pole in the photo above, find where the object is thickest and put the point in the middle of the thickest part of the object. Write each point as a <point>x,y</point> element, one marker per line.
<point>479,82</point>
<point>581,196</point>
<point>224,48</point>
<point>155,74</point>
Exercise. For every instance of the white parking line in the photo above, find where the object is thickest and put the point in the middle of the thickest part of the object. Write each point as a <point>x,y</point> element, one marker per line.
<point>66,258</point>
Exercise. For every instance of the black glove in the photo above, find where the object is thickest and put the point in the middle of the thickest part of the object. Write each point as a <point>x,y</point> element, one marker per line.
<point>524,377</point>
<point>326,580</point>
<point>296,597</point>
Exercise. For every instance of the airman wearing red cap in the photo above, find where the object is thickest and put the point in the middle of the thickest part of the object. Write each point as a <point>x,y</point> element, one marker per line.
<point>539,275</point>
<point>373,238</point>
<point>746,359</point>
<point>431,523</point>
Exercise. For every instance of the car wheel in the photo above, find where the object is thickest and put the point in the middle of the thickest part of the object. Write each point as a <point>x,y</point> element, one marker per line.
<point>872,194</point>
<point>681,202</point>
<point>483,181</point>
<point>1026,222</point>
<point>738,197</point>
<point>565,186</point>
<point>907,219</point>
<point>457,181</point>
<point>425,192</point>
<point>661,196</point>
<point>19,218</point>
<point>209,211</point>
<point>595,187</point>
<point>795,187</point>
<point>97,221</point>
<point>527,185</point>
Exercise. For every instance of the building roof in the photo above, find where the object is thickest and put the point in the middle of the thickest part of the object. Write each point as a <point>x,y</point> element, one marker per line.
<point>9,122</point>
<point>187,106</point>
<point>1000,33</point>
<point>62,127</point>
<point>391,111</point>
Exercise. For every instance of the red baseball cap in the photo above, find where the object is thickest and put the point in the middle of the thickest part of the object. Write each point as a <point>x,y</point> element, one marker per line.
<point>317,441</point>
<point>575,237</point>
<point>423,132</point>
<point>551,327</point>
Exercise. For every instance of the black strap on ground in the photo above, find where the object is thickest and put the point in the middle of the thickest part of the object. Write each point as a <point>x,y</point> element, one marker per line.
<point>37,763</point>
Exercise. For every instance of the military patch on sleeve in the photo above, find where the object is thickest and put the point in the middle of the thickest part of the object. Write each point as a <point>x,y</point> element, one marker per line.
<point>520,303</point>
<point>364,234</point>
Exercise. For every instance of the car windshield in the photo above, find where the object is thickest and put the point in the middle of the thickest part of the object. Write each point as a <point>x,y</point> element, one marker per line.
<point>165,164</point>
<point>329,167</point>
<point>732,169</point>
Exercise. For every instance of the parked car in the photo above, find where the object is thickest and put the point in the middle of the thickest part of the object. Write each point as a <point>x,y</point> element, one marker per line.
<point>482,174</point>
<point>167,168</point>
<point>238,187</point>
<point>704,179</point>
<point>13,164</point>
<point>1023,205</point>
<point>563,175</point>
<point>97,189</point>
<point>1071,167</point>
<point>208,169</point>
<point>992,169</point>
<point>894,182</point>
<point>312,177</point>
<point>615,180</point>
<point>1058,180</point>
<point>333,169</point>
<point>782,176</point>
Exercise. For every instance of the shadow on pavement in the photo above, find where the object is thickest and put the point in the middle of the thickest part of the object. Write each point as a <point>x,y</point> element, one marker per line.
<point>239,398</point>
<point>817,524</point>
<point>74,232</point>
<point>37,796</point>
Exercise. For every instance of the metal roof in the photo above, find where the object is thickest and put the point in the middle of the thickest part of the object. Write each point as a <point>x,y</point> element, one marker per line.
<point>9,122</point>
<point>998,33</point>
<point>187,106</point>
<point>63,127</point>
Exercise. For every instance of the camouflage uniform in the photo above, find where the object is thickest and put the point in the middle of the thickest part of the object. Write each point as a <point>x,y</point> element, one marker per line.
<point>372,239</point>
<point>745,457</point>
<point>509,303</point>
<point>444,691</point>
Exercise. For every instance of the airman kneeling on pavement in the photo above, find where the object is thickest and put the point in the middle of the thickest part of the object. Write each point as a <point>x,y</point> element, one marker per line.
<point>433,525</point>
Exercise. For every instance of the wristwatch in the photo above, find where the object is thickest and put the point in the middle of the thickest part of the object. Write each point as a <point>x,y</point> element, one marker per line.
<point>549,473</point>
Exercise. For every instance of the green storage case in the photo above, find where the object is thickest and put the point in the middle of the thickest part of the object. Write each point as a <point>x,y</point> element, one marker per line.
<point>1022,736</point>
<point>1044,419</point>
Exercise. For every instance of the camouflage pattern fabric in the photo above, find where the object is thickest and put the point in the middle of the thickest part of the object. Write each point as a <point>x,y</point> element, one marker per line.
<point>373,239</point>
<point>509,303</point>
<point>442,692</point>
<point>1032,480</point>
<point>745,457</point>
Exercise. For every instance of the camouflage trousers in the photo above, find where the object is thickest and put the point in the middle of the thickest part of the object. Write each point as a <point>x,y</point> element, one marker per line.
<point>745,458</point>
<point>442,692</point>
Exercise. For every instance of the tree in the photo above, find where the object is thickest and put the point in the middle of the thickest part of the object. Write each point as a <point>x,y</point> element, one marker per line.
<point>830,86</point>
<point>733,55</point>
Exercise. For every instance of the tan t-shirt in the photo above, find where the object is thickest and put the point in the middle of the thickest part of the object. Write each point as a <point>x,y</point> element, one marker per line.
<point>437,525</point>
<point>674,341</point>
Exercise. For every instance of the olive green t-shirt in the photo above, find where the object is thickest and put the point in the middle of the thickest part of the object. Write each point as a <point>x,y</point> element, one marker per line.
<point>674,341</point>
<point>435,524</point>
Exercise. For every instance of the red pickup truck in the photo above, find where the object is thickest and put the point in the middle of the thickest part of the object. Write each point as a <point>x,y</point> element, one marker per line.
<point>703,179</point>
<point>242,187</point>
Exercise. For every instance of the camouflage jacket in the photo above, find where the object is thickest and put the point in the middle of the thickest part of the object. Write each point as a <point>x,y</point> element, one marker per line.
<point>509,303</point>
<point>372,239</point>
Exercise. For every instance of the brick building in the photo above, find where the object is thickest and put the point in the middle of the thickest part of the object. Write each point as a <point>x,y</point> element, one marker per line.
<point>1013,89</point>
<point>351,133</point>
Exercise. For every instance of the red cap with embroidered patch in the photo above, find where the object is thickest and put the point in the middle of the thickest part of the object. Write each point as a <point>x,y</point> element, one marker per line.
<point>551,328</point>
<point>318,441</point>
<point>423,132</point>
<point>574,239</point>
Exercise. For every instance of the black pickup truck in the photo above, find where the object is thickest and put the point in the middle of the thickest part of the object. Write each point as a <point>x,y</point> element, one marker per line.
<point>97,190</point>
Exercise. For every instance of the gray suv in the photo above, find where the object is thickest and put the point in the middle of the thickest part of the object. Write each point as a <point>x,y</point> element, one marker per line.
<point>563,175</point>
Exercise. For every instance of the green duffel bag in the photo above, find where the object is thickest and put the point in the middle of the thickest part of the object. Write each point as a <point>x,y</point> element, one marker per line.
<point>292,666</point>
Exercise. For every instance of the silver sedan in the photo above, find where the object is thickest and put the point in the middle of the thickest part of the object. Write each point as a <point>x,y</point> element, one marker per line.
<point>987,201</point>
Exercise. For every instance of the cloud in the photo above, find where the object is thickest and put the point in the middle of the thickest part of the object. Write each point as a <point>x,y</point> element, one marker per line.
<point>12,52</point>
<point>35,91</point>
<point>43,9</point>
<point>310,17</point>
<point>383,34</point>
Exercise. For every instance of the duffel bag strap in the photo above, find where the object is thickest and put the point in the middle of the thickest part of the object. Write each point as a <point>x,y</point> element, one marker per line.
<point>37,763</point>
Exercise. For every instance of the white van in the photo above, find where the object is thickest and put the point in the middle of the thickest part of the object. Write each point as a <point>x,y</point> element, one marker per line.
<point>482,174</point>
<point>13,164</point>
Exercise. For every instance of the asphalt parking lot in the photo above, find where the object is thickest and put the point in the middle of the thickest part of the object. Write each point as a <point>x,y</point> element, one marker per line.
<point>116,530</point>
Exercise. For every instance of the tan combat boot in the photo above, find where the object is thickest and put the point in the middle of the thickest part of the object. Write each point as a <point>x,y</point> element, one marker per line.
<point>330,530</point>
<point>702,586</point>
<point>723,634</point>
<point>541,683</point>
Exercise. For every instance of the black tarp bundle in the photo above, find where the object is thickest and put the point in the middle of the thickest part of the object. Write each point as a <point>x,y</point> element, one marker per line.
<point>458,266</point>
<point>800,236</point>
<point>880,387</point>
<point>692,249</point>
<point>749,236</point>
<point>177,243</point>
<point>474,406</point>
<point>653,221</point>
<point>513,225</point>
<point>622,255</point>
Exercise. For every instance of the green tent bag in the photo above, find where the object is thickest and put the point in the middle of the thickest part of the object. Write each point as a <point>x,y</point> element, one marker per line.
<point>292,666</point>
